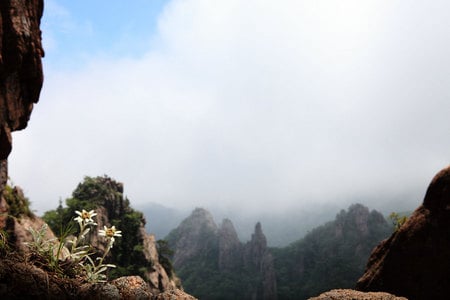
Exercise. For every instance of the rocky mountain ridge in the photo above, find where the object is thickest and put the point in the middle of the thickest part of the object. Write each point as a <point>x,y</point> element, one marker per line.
<point>212,261</point>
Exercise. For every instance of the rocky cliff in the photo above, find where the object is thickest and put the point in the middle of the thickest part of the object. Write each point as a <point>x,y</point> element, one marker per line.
<point>20,66</point>
<point>258,258</point>
<point>415,261</point>
<point>230,248</point>
<point>214,264</point>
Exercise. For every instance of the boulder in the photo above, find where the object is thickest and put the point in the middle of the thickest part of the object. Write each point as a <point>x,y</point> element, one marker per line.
<point>355,295</point>
<point>415,261</point>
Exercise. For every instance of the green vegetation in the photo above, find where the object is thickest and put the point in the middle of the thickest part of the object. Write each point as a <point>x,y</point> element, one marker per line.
<point>398,220</point>
<point>77,260</point>
<point>105,195</point>
<point>4,245</point>
<point>164,254</point>
<point>18,204</point>
<point>330,256</point>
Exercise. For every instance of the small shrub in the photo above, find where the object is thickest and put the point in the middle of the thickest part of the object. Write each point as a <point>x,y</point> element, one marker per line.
<point>79,256</point>
<point>397,220</point>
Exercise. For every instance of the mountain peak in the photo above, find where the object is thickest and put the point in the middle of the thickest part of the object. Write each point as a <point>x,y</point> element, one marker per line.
<point>206,256</point>
<point>194,235</point>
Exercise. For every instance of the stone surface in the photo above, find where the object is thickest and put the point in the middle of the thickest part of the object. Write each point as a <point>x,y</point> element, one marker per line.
<point>415,261</point>
<point>20,66</point>
<point>230,248</point>
<point>176,294</point>
<point>101,291</point>
<point>193,236</point>
<point>355,295</point>
<point>132,287</point>
<point>21,280</point>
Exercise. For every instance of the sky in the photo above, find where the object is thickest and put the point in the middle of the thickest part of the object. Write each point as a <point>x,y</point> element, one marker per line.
<point>256,105</point>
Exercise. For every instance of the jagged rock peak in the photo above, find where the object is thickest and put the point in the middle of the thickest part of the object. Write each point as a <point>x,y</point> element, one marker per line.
<point>258,237</point>
<point>227,232</point>
<point>199,220</point>
<point>227,225</point>
<point>202,216</point>
<point>414,262</point>
<point>229,247</point>
<point>212,256</point>
<point>258,257</point>
<point>359,217</point>
<point>196,234</point>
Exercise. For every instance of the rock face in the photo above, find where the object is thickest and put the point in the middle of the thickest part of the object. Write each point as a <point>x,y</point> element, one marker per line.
<point>230,248</point>
<point>196,234</point>
<point>258,258</point>
<point>214,264</point>
<point>415,261</point>
<point>20,66</point>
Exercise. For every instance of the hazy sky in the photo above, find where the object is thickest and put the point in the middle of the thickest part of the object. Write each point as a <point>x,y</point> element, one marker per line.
<point>269,105</point>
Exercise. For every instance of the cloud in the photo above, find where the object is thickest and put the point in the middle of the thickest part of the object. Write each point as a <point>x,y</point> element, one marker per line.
<point>260,105</point>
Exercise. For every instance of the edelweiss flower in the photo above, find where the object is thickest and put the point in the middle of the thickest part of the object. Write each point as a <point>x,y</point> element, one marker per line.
<point>110,232</point>
<point>85,216</point>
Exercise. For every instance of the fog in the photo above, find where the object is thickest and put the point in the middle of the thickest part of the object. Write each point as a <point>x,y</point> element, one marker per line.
<point>260,106</point>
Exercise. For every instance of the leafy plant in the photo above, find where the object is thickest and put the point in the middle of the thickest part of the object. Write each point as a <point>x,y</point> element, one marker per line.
<point>80,253</point>
<point>4,245</point>
<point>164,254</point>
<point>18,204</point>
<point>397,220</point>
<point>105,192</point>
<point>48,250</point>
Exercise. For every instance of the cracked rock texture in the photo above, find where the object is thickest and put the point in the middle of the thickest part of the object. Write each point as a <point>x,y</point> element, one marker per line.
<point>20,66</point>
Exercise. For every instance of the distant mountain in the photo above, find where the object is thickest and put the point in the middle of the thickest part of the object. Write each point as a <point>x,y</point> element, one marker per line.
<point>214,264</point>
<point>281,228</point>
<point>333,255</point>
<point>161,219</point>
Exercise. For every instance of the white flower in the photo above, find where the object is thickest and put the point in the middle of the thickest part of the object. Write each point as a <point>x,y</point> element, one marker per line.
<point>110,233</point>
<point>85,216</point>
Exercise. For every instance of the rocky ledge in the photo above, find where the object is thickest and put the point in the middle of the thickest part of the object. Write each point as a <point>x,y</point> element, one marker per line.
<point>355,295</point>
